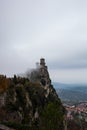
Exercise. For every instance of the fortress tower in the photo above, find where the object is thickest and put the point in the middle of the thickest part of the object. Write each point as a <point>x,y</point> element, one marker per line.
<point>42,62</point>
<point>41,73</point>
<point>44,74</point>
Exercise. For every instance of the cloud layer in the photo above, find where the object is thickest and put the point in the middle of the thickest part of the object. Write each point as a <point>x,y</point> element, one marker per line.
<point>56,30</point>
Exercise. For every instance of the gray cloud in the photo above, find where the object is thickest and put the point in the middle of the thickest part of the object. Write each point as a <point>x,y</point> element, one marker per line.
<point>56,30</point>
<point>72,60</point>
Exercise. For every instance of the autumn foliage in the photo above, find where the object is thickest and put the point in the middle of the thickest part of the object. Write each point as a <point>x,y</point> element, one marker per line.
<point>4,83</point>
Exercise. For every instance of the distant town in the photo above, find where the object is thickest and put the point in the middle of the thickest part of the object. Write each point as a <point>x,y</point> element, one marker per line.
<point>79,110</point>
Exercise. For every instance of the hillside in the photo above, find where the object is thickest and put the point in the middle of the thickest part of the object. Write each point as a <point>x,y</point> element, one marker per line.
<point>30,103</point>
<point>71,92</point>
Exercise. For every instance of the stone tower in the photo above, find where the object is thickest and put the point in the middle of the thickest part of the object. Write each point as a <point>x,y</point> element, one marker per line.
<point>40,73</point>
<point>42,62</point>
<point>44,74</point>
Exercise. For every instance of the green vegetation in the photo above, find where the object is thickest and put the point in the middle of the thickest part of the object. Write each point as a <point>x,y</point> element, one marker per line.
<point>52,117</point>
<point>28,108</point>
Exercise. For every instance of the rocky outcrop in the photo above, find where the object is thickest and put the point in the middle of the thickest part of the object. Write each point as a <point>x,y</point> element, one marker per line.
<point>3,127</point>
<point>32,102</point>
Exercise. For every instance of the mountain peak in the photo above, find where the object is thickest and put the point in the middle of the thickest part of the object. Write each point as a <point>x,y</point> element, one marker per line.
<point>31,101</point>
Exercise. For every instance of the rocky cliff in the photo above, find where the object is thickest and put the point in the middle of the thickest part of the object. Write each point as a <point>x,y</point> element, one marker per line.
<point>30,103</point>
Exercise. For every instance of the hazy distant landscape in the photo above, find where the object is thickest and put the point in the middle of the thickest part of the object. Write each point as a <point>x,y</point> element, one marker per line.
<point>71,92</point>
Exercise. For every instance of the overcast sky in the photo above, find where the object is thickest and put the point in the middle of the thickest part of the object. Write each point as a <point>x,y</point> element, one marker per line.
<point>53,29</point>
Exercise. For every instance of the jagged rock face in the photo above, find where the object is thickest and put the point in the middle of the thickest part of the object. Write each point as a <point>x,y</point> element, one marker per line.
<point>27,105</point>
<point>2,99</point>
<point>27,102</point>
<point>3,127</point>
<point>21,102</point>
<point>40,74</point>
